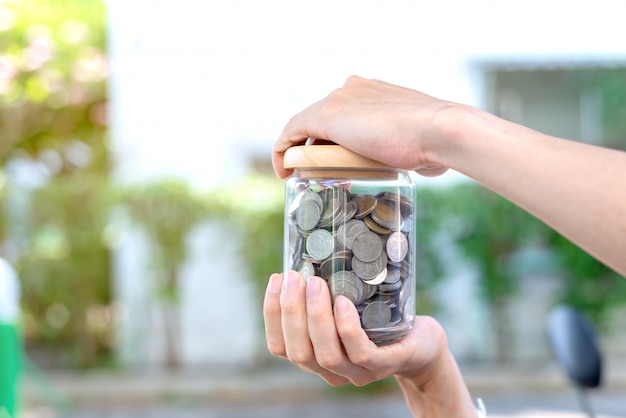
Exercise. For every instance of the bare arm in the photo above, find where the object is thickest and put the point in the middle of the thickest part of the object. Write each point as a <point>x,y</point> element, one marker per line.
<point>577,189</point>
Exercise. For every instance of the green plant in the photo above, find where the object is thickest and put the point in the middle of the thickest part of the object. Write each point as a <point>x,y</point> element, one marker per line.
<point>65,269</point>
<point>254,205</point>
<point>53,95</point>
<point>589,285</point>
<point>166,211</point>
<point>53,84</point>
<point>490,231</point>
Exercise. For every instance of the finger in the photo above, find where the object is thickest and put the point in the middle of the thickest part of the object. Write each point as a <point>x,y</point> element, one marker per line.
<point>300,127</point>
<point>327,348</point>
<point>379,361</point>
<point>272,316</point>
<point>294,322</point>
<point>359,349</point>
<point>432,171</point>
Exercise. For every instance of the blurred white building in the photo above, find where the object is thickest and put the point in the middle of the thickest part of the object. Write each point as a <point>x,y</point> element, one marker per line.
<point>201,88</point>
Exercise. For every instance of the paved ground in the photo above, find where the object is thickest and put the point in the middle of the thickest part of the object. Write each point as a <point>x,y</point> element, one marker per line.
<point>499,406</point>
<point>288,393</point>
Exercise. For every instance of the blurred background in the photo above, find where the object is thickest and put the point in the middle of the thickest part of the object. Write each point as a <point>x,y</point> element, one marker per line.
<point>141,218</point>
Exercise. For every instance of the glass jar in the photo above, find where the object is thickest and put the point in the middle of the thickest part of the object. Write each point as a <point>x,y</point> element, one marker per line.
<point>351,221</point>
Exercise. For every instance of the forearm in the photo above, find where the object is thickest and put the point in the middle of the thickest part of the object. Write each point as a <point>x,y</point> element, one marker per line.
<point>442,394</point>
<point>577,189</point>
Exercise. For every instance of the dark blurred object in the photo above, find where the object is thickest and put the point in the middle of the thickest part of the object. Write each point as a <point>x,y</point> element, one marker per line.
<point>574,343</point>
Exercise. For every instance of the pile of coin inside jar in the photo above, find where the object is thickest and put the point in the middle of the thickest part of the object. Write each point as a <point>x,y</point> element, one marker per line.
<point>361,245</point>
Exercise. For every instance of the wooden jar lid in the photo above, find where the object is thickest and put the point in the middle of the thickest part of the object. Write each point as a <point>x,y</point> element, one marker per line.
<point>328,156</point>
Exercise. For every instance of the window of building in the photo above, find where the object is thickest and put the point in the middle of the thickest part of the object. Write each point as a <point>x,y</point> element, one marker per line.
<point>586,104</point>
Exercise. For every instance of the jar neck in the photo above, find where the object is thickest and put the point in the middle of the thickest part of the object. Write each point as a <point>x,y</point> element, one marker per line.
<point>350,173</point>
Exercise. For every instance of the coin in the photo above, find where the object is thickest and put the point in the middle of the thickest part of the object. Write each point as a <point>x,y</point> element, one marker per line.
<point>393,274</point>
<point>372,225</point>
<point>378,279</point>
<point>349,230</point>
<point>376,315</point>
<point>306,269</point>
<point>369,271</point>
<point>365,205</point>
<point>332,207</point>
<point>308,215</point>
<point>397,246</point>
<point>320,244</point>
<point>367,246</point>
<point>346,283</point>
<point>339,261</point>
<point>387,216</point>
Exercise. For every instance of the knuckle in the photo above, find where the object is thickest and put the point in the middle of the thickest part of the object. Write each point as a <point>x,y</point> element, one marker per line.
<point>329,361</point>
<point>289,309</point>
<point>361,358</point>
<point>315,313</point>
<point>300,358</point>
<point>276,348</point>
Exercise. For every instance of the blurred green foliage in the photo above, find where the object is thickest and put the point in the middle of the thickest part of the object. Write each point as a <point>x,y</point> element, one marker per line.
<point>167,211</point>
<point>53,94</point>
<point>3,209</point>
<point>64,270</point>
<point>53,80</point>
<point>255,206</point>
<point>491,234</point>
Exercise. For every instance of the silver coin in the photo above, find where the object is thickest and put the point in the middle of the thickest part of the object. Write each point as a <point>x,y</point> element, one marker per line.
<point>407,224</point>
<point>312,195</point>
<point>306,269</point>
<point>370,290</point>
<point>369,271</point>
<point>378,279</point>
<point>308,215</point>
<point>367,246</point>
<point>347,284</point>
<point>347,212</point>
<point>332,208</point>
<point>349,230</point>
<point>397,246</point>
<point>393,275</point>
<point>376,315</point>
<point>320,244</point>
<point>339,261</point>
<point>389,287</point>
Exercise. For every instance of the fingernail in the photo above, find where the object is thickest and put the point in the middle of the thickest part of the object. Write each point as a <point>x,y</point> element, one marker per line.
<point>341,305</point>
<point>275,284</point>
<point>313,287</point>
<point>291,281</point>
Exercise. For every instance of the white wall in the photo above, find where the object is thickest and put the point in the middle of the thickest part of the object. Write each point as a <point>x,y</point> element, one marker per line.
<point>196,84</point>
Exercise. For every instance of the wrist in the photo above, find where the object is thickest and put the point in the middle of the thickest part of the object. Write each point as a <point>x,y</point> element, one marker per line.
<point>452,125</point>
<point>438,391</point>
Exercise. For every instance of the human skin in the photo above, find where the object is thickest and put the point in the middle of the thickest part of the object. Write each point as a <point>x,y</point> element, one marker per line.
<point>573,187</point>
<point>302,326</point>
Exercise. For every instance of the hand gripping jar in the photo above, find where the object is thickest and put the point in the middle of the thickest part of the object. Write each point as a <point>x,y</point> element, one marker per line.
<point>351,221</point>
